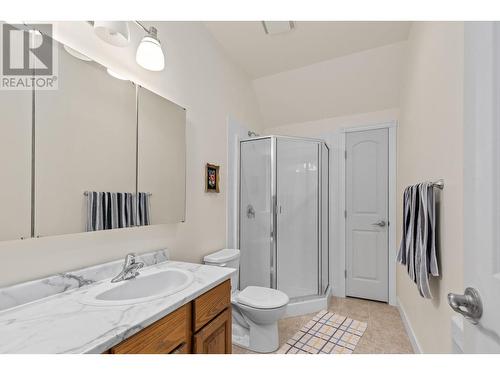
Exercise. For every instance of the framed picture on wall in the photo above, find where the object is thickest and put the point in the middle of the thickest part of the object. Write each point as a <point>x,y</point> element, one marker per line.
<point>212,178</point>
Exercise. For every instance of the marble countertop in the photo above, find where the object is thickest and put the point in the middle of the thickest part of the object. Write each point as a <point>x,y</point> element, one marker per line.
<point>63,323</point>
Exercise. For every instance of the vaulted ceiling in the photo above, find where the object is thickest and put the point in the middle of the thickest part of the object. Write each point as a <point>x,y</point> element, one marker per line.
<point>309,42</point>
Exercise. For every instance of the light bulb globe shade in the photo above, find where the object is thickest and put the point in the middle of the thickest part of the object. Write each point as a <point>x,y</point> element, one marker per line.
<point>76,53</point>
<point>150,55</point>
<point>113,74</point>
<point>113,32</point>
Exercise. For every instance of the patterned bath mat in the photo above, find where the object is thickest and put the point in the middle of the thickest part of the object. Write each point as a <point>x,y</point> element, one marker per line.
<point>326,333</point>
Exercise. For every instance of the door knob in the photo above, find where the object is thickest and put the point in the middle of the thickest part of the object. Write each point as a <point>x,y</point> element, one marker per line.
<point>468,304</point>
<point>380,223</point>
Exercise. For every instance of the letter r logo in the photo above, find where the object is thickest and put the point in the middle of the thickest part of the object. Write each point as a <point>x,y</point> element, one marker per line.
<point>26,52</point>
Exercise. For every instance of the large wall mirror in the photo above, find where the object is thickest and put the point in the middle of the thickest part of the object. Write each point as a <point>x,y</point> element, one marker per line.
<point>97,153</point>
<point>15,164</point>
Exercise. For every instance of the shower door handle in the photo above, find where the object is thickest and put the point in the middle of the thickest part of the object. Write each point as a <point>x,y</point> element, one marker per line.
<point>250,212</point>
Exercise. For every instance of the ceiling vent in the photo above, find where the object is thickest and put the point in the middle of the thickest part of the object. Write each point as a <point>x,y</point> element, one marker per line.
<point>277,27</point>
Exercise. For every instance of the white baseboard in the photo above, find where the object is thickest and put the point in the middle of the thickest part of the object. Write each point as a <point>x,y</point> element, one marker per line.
<point>409,330</point>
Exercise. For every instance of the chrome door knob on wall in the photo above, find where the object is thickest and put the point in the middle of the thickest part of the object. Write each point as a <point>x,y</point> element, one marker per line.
<point>468,304</point>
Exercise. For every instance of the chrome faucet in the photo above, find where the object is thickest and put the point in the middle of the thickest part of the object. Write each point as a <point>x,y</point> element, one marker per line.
<point>129,270</point>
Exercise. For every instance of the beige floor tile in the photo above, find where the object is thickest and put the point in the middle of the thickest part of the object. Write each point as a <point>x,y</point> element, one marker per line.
<point>385,332</point>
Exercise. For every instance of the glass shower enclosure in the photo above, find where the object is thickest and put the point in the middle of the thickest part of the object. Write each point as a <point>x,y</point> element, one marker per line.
<point>283,220</point>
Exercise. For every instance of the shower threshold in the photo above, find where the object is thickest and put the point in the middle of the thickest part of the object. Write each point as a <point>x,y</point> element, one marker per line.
<point>307,305</point>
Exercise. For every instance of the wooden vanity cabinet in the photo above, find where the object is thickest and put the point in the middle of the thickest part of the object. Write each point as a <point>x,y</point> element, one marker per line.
<point>212,321</point>
<point>215,337</point>
<point>202,326</point>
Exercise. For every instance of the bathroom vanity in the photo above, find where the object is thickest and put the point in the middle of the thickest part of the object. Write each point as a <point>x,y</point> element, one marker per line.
<point>170,307</point>
<point>202,326</point>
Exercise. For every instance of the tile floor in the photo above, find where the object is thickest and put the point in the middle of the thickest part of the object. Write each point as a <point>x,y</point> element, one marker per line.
<point>385,332</point>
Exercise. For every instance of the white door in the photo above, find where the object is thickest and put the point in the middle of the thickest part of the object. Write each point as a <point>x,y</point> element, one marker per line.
<point>367,243</point>
<point>481,183</point>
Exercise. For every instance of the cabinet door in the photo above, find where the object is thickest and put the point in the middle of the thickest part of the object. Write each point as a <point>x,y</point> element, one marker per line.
<point>212,303</point>
<point>215,337</point>
<point>15,164</point>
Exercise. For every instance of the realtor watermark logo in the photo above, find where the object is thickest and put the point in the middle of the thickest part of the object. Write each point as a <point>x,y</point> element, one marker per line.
<point>29,57</point>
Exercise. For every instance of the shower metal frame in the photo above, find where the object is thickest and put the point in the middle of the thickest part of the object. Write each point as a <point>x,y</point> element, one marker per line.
<point>274,210</point>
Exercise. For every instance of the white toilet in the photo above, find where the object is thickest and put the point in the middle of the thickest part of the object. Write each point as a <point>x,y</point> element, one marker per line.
<point>256,310</point>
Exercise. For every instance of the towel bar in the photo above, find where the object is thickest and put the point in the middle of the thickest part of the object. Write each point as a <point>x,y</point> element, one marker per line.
<point>439,184</point>
<point>87,193</point>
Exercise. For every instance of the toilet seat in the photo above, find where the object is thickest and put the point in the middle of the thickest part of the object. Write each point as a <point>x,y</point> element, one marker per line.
<point>261,298</point>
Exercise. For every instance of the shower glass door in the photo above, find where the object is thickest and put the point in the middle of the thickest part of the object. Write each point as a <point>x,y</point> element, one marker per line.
<point>297,188</point>
<point>255,213</point>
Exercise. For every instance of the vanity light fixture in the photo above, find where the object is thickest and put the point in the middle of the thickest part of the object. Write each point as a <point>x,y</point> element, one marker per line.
<point>113,32</point>
<point>116,75</point>
<point>76,54</point>
<point>149,53</point>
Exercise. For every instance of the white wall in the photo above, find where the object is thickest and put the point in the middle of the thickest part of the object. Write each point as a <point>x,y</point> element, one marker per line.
<point>430,146</point>
<point>362,82</point>
<point>199,77</point>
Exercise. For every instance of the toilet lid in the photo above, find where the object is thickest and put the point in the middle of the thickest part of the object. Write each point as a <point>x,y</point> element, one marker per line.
<point>262,298</point>
<point>222,256</point>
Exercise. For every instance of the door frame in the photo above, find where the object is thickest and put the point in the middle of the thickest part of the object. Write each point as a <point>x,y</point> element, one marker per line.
<point>339,268</point>
<point>236,131</point>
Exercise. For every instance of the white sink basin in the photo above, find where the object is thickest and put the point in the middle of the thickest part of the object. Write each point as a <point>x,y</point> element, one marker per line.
<point>145,287</point>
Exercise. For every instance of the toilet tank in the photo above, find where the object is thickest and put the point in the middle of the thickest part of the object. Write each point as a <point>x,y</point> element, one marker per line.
<point>226,258</point>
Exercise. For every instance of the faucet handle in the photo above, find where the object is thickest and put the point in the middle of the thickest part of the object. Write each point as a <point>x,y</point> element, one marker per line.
<point>130,258</point>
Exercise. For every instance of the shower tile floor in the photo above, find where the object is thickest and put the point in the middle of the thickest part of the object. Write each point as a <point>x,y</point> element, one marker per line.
<point>385,333</point>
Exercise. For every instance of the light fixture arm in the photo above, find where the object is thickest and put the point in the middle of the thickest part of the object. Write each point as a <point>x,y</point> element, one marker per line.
<point>141,26</point>
<point>152,31</point>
